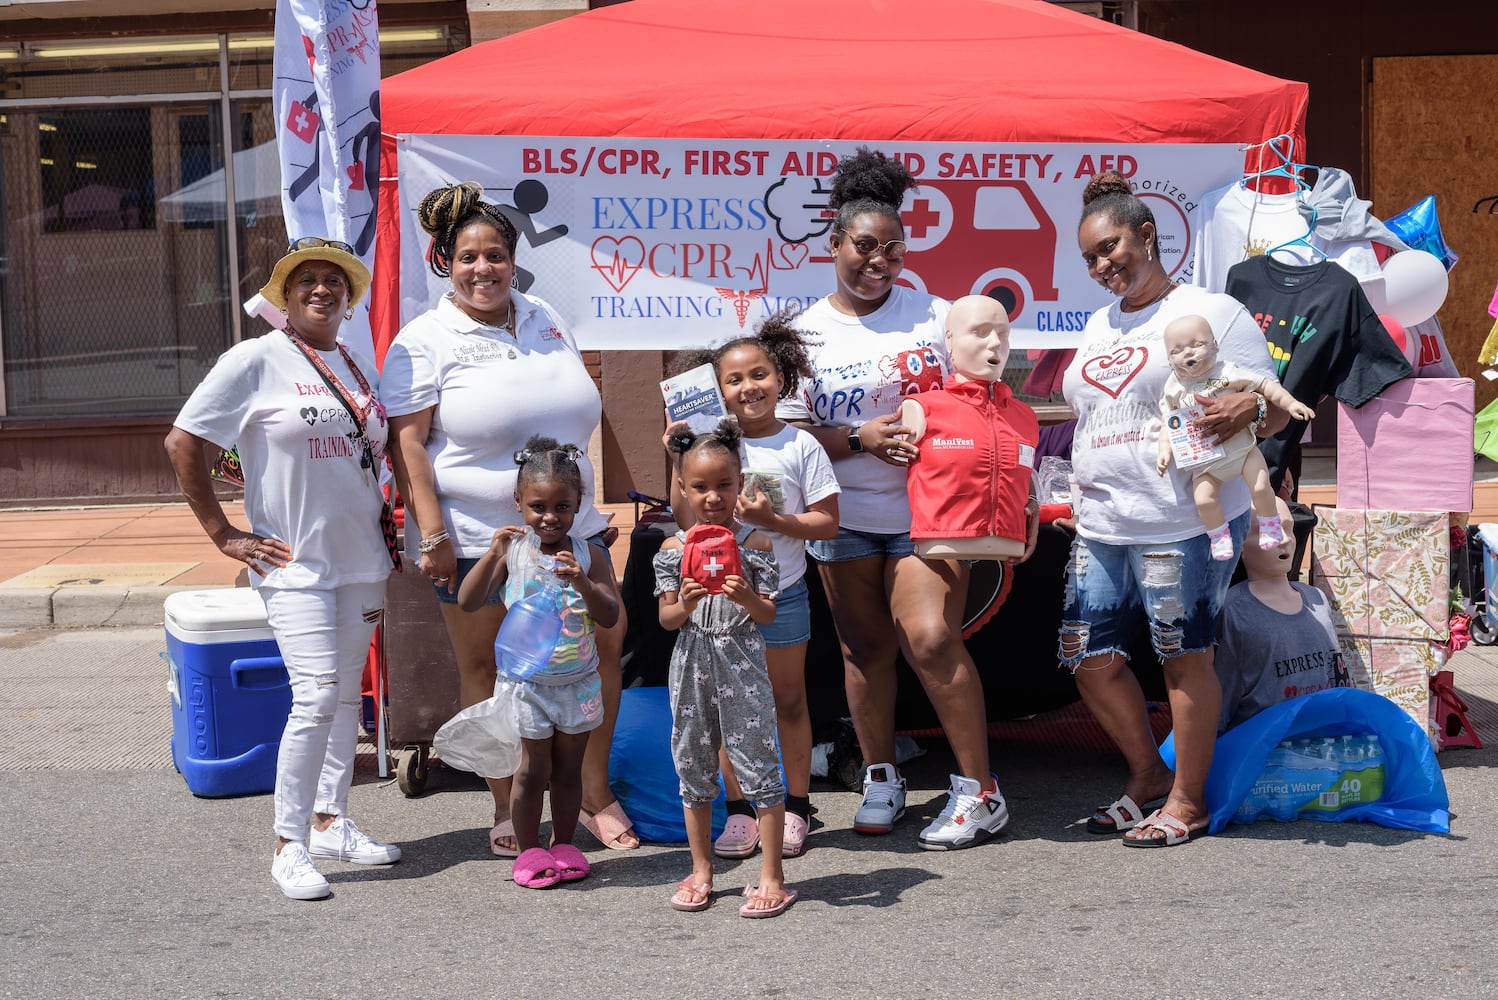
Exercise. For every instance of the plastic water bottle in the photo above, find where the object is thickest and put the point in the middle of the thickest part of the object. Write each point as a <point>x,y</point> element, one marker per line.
<point>1282,769</point>
<point>1373,769</point>
<point>528,636</point>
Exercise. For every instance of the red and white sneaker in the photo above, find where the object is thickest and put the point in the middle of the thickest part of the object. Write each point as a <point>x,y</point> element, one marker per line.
<point>971,817</point>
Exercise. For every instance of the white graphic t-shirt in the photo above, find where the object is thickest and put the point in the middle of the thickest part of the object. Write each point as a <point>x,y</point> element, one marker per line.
<point>303,481</point>
<point>1114,386</point>
<point>793,470</point>
<point>864,367</point>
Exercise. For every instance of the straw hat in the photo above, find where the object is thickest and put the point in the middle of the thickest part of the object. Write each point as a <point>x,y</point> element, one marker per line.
<point>331,251</point>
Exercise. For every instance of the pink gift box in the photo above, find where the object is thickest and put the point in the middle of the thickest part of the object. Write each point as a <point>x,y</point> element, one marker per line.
<point>1408,448</point>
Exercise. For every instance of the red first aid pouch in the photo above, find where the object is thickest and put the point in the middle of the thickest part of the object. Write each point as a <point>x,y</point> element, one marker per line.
<point>709,555</point>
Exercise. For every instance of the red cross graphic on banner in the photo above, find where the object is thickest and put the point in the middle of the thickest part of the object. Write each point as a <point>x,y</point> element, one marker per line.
<point>302,121</point>
<point>920,218</point>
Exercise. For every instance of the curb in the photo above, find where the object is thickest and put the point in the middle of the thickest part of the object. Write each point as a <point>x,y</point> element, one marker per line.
<point>87,607</point>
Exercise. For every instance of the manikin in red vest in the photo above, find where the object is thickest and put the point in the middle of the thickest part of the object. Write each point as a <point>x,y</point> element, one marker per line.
<point>970,485</point>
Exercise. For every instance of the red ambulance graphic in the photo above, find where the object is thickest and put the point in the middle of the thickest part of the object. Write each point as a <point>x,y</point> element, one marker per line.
<point>984,237</point>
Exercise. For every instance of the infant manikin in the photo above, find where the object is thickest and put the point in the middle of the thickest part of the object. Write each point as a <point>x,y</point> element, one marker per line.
<point>1191,350</point>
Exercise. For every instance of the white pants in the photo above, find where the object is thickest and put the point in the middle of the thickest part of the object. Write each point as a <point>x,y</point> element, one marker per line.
<point>324,639</point>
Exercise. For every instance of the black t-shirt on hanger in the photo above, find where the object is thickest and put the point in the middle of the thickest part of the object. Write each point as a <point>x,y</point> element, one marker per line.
<point>1324,339</point>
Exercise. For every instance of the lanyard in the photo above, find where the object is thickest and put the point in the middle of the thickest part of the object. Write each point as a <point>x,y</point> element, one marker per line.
<point>359,414</point>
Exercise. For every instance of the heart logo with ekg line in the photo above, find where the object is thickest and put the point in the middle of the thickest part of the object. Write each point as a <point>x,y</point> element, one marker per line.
<point>617,260</point>
<point>309,414</point>
<point>1112,372</point>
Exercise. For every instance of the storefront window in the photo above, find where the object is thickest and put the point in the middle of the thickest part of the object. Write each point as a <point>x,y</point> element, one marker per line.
<point>95,170</point>
<point>122,264</point>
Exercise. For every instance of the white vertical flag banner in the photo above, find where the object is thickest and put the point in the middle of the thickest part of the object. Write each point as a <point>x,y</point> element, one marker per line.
<point>327,104</point>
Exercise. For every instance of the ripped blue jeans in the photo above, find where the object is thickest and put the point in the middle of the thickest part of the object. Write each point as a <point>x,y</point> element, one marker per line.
<point>1178,586</point>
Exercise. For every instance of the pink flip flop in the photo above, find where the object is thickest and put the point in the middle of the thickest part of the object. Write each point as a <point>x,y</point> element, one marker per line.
<point>689,888</point>
<point>749,910</point>
<point>572,866</point>
<point>530,865</point>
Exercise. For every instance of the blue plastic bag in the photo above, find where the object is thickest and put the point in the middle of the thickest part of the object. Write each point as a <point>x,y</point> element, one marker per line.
<point>1414,791</point>
<point>642,773</point>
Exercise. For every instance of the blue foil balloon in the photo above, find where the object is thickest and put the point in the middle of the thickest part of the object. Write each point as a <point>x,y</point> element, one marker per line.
<point>1419,227</point>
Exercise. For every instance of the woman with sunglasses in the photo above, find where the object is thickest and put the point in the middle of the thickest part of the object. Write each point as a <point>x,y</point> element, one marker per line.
<point>311,435</point>
<point>877,342</point>
<point>468,383</point>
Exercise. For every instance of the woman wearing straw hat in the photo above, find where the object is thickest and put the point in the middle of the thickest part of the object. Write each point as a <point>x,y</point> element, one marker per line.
<point>311,434</point>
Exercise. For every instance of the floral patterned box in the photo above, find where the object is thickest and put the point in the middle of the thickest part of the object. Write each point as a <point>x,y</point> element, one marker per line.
<point>1386,573</point>
<point>1400,670</point>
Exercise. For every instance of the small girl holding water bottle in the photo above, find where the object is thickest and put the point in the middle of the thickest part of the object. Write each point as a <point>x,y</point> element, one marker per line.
<point>556,707</point>
<point>790,495</point>
<point>719,687</point>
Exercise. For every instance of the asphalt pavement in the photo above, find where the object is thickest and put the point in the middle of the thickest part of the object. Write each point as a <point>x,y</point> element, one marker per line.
<point>118,882</point>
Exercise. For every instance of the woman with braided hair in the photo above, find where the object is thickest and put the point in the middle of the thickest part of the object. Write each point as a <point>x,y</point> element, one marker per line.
<point>466,384</point>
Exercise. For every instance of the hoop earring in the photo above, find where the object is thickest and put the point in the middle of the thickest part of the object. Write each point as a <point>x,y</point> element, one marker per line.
<point>349,314</point>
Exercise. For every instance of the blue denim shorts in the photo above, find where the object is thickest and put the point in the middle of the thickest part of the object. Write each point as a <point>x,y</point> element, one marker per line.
<point>465,566</point>
<point>1178,586</point>
<point>792,624</point>
<point>850,545</point>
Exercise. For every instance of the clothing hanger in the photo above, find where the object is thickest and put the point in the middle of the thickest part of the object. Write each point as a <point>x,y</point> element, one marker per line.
<point>1281,148</point>
<point>1303,240</point>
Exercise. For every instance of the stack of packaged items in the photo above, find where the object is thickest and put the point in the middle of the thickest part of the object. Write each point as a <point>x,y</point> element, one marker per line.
<point>1383,555</point>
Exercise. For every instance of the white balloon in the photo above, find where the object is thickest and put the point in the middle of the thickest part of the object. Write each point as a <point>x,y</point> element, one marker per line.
<point>1415,285</point>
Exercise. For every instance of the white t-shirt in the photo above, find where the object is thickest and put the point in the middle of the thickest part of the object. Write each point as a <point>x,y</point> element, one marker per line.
<point>303,482</point>
<point>1234,223</point>
<point>864,367</point>
<point>1114,386</point>
<point>491,394</point>
<point>793,469</point>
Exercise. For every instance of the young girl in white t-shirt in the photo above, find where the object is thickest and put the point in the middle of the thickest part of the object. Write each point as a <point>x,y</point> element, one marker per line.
<point>790,494</point>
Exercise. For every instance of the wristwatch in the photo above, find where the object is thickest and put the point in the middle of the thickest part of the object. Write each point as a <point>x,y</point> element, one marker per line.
<point>855,443</point>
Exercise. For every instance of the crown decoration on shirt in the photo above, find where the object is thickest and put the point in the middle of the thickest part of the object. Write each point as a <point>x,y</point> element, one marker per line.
<point>1255,248</point>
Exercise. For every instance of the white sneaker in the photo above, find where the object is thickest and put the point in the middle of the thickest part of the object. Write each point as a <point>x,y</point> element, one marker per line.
<point>343,841</point>
<point>971,816</point>
<point>883,800</point>
<point>296,875</point>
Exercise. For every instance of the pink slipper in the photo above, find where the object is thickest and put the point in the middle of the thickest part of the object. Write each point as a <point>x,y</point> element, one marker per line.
<point>504,828</point>
<point>608,825</point>
<point>571,864</point>
<point>531,869</point>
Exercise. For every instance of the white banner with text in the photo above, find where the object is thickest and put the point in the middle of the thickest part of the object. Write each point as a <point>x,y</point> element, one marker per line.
<point>671,243</point>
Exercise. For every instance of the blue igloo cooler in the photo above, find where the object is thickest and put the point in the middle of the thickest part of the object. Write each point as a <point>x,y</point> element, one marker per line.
<point>230,694</point>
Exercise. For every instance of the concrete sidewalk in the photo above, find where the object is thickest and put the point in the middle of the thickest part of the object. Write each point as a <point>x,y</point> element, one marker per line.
<point>115,565</point>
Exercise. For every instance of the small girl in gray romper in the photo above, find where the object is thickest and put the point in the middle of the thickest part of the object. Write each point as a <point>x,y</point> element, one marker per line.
<point>720,687</point>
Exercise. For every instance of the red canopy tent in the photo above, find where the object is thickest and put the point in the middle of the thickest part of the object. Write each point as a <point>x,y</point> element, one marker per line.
<point>863,70</point>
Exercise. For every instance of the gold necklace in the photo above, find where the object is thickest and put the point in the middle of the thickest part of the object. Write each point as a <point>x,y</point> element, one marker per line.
<point>508,326</point>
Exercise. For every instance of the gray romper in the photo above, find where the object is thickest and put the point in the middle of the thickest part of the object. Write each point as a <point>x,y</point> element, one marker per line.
<point>720,687</point>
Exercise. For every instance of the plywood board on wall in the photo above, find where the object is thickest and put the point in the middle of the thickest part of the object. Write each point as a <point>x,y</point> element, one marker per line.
<point>1431,132</point>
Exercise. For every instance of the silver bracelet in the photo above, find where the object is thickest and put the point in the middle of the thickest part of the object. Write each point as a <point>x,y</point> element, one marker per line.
<point>1259,417</point>
<point>430,542</point>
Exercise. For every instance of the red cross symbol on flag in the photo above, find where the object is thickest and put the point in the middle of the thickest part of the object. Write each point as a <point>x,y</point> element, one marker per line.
<point>302,121</point>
